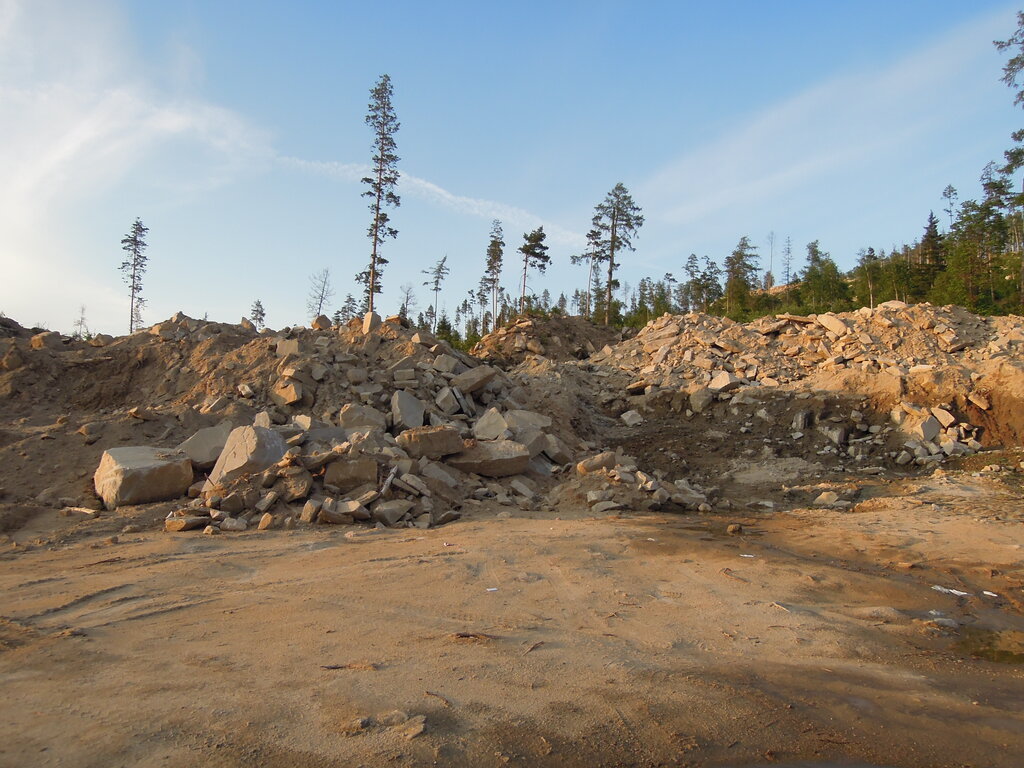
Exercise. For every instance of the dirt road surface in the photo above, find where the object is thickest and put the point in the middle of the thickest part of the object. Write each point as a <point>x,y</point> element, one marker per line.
<point>815,637</point>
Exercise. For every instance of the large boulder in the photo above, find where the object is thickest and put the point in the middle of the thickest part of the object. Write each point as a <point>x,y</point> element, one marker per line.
<point>371,322</point>
<point>723,381</point>
<point>141,474</point>
<point>286,392</point>
<point>518,420</point>
<point>248,450</point>
<point>834,324</point>
<point>490,426</point>
<point>354,416</point>
<point>348,474</point>
<point>499,458</point>
<point>47,340</point>
<point>474,379</point>
<point>432,442</point>
<point>206,445</point>
<point>407,410</point>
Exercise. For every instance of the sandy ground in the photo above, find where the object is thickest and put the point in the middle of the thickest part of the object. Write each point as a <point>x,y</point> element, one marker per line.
<point>524,639</point>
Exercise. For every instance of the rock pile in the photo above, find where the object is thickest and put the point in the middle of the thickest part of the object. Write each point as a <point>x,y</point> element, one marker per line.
<point>371,422</point>
<point>374,422</point>
<point>935,369</point>
<point>557,338</point>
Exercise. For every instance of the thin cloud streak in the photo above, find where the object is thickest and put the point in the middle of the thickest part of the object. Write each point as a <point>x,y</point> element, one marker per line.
<point>434,193</point>
<point>804,142</point>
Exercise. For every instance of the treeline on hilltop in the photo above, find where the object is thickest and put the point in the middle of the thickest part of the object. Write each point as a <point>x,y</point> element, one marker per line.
<point>977,262</point>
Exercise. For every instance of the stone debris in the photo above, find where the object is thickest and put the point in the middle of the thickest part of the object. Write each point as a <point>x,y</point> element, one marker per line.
<point>206,445</point>
<point>431,442</point>
<point>338,422</point>
<point>498,458</point>
<point>247,450</point>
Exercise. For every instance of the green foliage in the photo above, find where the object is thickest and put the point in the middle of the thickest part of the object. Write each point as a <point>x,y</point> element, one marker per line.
<point>616,221</point>
<point>435,277</point>
<point>133,268</point>
<point>258,315</point>
<point>740,279</point>
<point>381,184</point>
<point>822,287</point>
<point>535,255</point>
<point>491,280</point>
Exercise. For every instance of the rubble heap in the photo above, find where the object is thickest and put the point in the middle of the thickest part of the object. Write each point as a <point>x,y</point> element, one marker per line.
<point>368,422</point>
<point>908,358</point>
<point>374,422</point>
<point>556,338</point>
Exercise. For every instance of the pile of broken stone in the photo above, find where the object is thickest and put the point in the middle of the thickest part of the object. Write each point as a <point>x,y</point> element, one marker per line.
<point>893,338</point>
<point>411,465</point>
<point>689,363</point>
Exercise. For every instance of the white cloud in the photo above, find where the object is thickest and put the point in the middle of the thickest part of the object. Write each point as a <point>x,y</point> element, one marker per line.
<point>802,143</point>
<point>74,123</point>
<point>431,192</point>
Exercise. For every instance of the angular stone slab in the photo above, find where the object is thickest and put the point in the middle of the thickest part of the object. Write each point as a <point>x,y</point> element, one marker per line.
<point>206,445</point>
<point>834,324</point>
<point>391,512</point>
<point>499,458</point>
<point>354,415</point>
<point>348,474</point>
<point>474,379</point>
<point>406,410</point>
<point>520,419</point>
<point>141,474</point>
<point>432,442</point>
<point>248,450</point>
<point>491,425</point>
<point>724,382</point>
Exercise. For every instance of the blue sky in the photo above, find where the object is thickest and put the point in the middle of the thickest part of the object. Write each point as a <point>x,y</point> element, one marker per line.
<point>235,131</point>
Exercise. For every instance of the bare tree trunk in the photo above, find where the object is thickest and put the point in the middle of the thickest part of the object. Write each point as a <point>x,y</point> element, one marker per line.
<point>611,268</point>
<point>522,296</point>
<point>590,285</point>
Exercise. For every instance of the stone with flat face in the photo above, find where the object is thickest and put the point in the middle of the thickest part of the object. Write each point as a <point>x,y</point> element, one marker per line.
<point>432,442</point>
<point>834,324</point>
<point>490,426</point>
<point>205,446</point>
<point>248,450</point>
<point>499,458</point>
<point>474,379</point>
<point>391,512</point>
<point>371,322</point>
<point>406,410</point>
<point>141,474</point>
<point>354,415</point>
<point>724,381</point>
<point>348,474</point>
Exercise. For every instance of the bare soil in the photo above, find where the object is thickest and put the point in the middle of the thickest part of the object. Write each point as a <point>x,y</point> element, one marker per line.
<point>524,639</point>
<point>889,632</point>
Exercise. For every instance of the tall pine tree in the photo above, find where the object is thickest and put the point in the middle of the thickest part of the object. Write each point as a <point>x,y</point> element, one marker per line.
<point>381,185</point>
<point>492,271</point>
<point>616,221</point>
<point>535,254</point>
<point>740,277</point>
<point>436,275</point>
<point>133,267</point>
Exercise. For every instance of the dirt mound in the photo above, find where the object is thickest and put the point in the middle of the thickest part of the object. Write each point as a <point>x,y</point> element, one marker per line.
<point>10,328</point>
<point>919,355</point>
<point>896,389</point>
<point>556,338</point>
<point>433,424</point>
<point>813,488</point>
